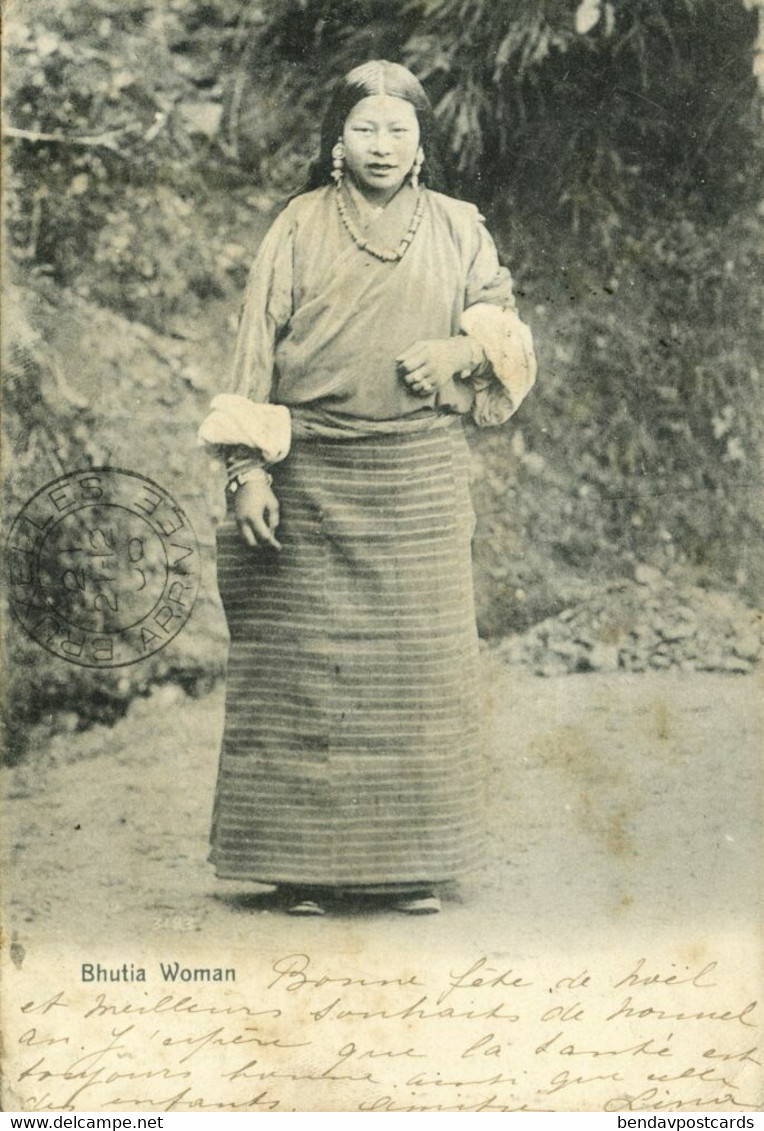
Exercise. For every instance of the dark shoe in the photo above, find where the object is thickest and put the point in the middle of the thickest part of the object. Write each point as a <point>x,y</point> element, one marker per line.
<point>305,907</point>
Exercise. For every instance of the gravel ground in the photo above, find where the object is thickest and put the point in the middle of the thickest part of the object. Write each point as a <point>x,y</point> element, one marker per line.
<point>618,802</point>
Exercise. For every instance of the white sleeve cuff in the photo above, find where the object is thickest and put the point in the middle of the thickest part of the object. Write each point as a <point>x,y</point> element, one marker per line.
<point>236,420</point>
<point>508,345</point>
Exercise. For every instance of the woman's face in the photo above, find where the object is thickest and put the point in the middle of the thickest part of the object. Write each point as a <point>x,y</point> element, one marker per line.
<point>381,137</point>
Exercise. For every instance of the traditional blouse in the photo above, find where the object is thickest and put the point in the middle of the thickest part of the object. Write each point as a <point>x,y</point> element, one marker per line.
<point>324,323</point>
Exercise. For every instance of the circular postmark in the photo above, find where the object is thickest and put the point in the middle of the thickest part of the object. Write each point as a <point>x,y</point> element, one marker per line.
<point>102,567</point>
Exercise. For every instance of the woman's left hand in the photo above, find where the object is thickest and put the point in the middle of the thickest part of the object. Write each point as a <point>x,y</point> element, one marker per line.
<point>429,365</point>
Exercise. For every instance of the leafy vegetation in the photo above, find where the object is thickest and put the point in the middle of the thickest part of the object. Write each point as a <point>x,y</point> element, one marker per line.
<point>614,146</point>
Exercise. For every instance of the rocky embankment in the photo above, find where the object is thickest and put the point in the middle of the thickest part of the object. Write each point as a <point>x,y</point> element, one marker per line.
<point>642,624</point>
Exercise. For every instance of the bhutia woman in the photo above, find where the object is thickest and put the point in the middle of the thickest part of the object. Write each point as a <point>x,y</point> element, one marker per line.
<point>377,317</point>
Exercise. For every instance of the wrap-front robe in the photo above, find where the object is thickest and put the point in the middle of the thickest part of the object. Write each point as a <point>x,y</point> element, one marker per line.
<point>350,755</point>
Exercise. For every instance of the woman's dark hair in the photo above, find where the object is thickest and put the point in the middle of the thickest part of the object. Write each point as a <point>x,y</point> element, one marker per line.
<point>378,76</point>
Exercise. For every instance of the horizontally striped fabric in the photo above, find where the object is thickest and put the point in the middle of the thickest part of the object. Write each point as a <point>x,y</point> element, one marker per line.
<point>350,754</point>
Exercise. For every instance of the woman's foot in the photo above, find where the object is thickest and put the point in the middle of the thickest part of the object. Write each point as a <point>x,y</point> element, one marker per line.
<point>420,903</point>
<point>305,907</point>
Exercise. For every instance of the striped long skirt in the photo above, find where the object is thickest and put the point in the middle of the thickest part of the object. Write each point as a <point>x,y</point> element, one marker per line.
<point>350,755</point>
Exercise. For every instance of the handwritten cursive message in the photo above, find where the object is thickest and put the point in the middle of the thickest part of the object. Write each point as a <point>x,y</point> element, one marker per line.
<point>306,1032</point>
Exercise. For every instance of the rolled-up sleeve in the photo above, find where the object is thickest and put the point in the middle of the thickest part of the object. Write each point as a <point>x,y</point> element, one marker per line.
<point>491,319</point>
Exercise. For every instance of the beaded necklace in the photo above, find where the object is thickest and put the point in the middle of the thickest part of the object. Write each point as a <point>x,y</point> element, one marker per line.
<point>383,253</point>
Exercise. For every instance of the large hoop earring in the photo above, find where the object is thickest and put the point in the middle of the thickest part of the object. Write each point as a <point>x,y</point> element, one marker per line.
<point>338,163</point>
<point>416,168</point>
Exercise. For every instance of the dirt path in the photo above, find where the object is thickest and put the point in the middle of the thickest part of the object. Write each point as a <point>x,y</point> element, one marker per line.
<point>618,802</point>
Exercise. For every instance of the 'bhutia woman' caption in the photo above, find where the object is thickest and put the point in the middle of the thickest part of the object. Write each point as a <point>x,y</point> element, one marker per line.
<point>169,972</point>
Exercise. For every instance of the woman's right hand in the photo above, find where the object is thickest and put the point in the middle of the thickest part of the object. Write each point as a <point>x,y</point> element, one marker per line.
<point>256,509</point>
